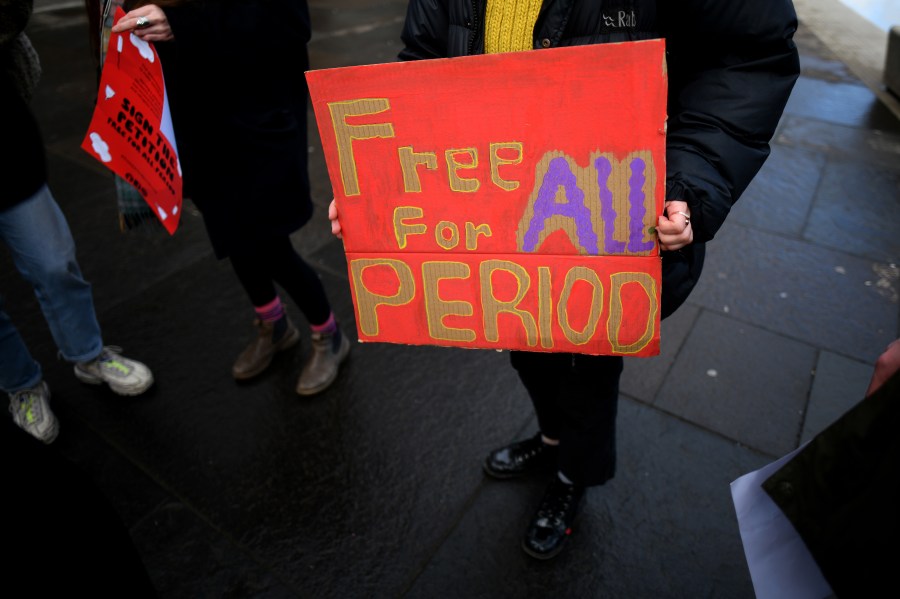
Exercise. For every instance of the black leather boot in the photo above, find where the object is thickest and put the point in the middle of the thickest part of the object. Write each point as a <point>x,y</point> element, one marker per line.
<point>519,458</point>
<point>551,524</point>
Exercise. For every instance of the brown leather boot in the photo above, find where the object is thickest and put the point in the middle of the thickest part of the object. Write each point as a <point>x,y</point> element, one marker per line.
<point>257,356</point>
<point>328,351</point>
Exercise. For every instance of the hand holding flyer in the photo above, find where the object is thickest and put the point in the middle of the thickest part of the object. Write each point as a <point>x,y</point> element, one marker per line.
<point>131,129</point>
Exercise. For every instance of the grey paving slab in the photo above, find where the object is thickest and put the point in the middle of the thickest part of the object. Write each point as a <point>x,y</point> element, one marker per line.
<point>133,492</point>
<point>839,384</point>
<point>184,555</point>
<point>873,147</point>
<point>780,197</point>
<point>843,103</point>
<point>663,527</point>
<point>818,296</point>
<point>68,88</point>
<point>189,558</point>
<point>745,383</point>
<point>642,377</point>
<point>373,28</point>
<point>857,210</point>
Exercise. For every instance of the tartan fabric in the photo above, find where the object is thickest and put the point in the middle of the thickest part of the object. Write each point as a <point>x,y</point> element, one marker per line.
<point>134,212</point>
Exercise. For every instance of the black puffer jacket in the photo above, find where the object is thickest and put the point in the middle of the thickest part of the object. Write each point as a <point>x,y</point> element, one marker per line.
<point>23,168</point>
<point>731,65</point>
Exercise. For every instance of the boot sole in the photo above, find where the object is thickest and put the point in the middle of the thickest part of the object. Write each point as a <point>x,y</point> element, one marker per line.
<point>543,556</point>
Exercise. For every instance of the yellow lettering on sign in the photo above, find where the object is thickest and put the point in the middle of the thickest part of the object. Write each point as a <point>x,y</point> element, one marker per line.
<point>401,229</point>
<point>345,134</point>
<point>613,327</point>
<point>472,233</point>
<point>409,161</point>
<point>580,273</point>
<point>436,308</point>
<point>454,165</point>
<point>367,302</point>
<point>497,162</point>
<point>493,307</point>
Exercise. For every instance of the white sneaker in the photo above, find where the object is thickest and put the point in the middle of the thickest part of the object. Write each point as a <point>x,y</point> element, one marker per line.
<point>30,409</point>
<point>123,375</point>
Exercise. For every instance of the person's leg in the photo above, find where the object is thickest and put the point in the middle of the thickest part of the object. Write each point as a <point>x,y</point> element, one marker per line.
<point>38,236</point>
<point>21,378</point>
<point>587,401</point>
<point>275,331</point>
<point>542,375</point>
<point>43,251</point>
<point>18,370</point>
<point>276,261</point>
<point>20,375</point>
<point>575,398</point>
<point>301,282</point>
<point>330,347</point>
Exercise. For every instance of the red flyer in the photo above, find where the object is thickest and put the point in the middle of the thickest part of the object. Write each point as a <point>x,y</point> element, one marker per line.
<point>131,129</point>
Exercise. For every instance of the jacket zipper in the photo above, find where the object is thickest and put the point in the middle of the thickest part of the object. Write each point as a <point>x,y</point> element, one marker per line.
<point>475,26</point>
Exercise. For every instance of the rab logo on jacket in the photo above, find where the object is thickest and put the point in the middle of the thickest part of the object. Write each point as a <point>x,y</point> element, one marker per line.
<point>621,19</point>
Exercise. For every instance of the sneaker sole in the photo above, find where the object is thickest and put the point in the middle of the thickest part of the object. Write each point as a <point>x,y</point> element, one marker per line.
<point>315,390</point>
<point>115,388</point>
<point>290,340</point>
<point>50,437</point>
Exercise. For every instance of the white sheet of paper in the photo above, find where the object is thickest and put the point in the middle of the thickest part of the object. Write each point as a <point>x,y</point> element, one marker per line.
<point>781,566</point>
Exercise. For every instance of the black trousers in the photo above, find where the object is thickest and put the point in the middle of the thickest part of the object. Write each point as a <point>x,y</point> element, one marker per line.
<point>576,396</point>
<point>276,261</point>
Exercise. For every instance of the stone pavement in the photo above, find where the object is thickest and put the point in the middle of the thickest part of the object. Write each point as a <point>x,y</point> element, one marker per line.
<point>374,488</point>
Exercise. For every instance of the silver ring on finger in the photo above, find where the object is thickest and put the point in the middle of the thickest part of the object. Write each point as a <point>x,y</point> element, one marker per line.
<point>142,23</point>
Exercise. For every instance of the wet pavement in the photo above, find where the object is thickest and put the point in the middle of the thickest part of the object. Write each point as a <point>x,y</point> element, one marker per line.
<point>375,488</point>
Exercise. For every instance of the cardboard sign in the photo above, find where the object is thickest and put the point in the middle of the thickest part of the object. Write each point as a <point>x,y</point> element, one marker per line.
<point>504,201</point>
<point>131,129</point>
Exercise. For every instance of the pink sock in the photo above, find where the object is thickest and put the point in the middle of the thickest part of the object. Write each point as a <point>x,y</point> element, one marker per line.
<point>271,312</point>
<point>329,326</point>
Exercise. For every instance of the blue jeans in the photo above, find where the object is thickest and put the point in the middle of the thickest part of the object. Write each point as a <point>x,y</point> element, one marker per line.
<point>43,251</point>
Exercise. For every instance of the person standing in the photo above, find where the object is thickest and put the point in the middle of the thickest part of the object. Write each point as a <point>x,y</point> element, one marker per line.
<point>234,75</point>
<point>37,234</point>
<point>731,67</point>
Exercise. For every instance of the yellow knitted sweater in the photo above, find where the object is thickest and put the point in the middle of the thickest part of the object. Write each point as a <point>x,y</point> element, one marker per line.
<point>509,25</point>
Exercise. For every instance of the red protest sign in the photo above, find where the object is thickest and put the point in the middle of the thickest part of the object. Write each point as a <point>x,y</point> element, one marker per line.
<point>502,201</point>
<point>131,128</point>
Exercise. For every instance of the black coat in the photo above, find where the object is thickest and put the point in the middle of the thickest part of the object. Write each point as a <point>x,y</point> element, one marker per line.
<point>731,67</point>
<point>23,169</point>
<point>235,79</point>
